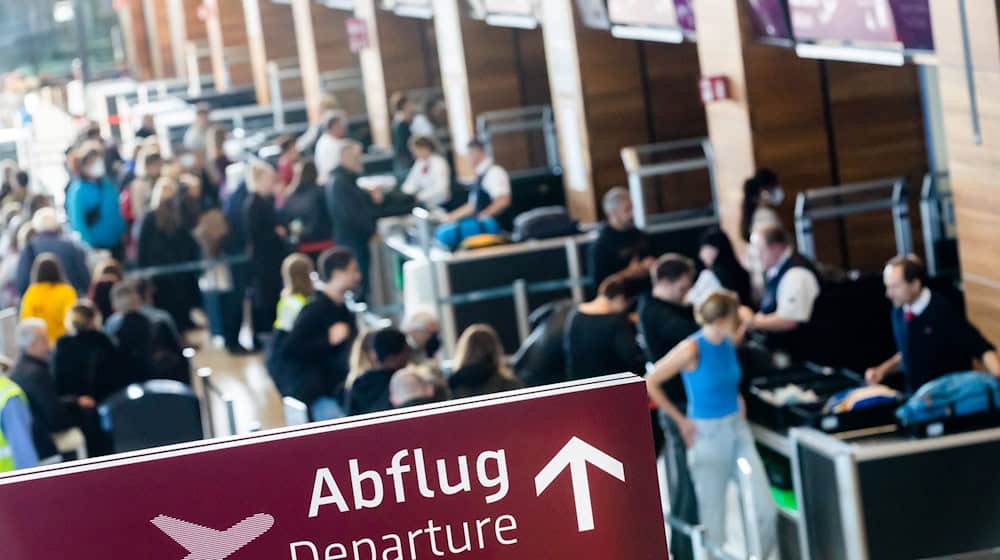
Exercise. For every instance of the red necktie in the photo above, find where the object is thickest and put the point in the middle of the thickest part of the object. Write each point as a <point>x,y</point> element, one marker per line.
<point>427,168</point>
<point>908,315</point>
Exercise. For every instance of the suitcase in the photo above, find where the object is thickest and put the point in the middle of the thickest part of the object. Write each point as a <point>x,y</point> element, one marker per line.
<point>953,403</point>
<point>544,223</point>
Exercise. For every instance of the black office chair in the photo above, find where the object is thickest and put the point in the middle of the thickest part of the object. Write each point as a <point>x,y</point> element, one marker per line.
<point>151,414</point>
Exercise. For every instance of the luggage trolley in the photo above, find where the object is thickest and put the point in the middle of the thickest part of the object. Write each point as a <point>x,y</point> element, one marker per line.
<point>826,203</point>
<point>633,159</point>
<point>937,216</point>
<point>524,120</point>
<point>288,69</point>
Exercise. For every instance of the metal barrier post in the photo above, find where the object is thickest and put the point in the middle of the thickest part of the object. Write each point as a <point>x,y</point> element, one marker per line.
<point>205,374</point>
<point>522,309</point>
<point>803,228</point>
<point>424,219</point>
<point>901,218</point>
<point>751,532</point>
<point>698,549</point>
<point>230,414</point>
<point>573,264</point>
<point>551,139</point>
<point>277,103</point>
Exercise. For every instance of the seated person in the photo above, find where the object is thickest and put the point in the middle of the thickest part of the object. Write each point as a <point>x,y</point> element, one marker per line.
<point>31,373</point>
<point>17,447</point>
<point>481,364</point>
<point>429,180</point>
<point>424,333</point>
<point>932,336</point>
<point>620,246</point>
<point>489,197</point>
<point>599,338</point>
<point>370,391</point>
<point>318,346</point>
<point>790,291</point>
<point>132,332</point>
<point>722,271</point>
<point>413,386</point>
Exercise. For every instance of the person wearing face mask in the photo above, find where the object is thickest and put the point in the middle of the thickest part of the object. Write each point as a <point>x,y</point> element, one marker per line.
<point>714,427</point>
<point>267,248</point>
<point>620,247</point>
<point>92,204</point>
<point>163,241</point>
<point>762,194</point>
<point>722,271</point>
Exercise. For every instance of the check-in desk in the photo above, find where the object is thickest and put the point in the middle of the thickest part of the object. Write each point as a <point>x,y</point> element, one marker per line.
<point>883,495</point>
<point>479,285</point>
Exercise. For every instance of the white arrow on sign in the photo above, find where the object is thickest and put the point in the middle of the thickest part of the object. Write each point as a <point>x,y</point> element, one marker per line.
<point>576,455</point>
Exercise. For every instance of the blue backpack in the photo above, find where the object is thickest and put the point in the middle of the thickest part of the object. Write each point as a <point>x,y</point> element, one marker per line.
<point>953,395</point>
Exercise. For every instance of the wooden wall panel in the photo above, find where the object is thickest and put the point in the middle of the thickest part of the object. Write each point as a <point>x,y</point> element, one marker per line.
<point>879,132</point>
<point>409,53</point>
<point>973,166</point>
<point>779,119</point>
<point>235,42</point>
<point>136,40</point>
<point>268,40</point>
<point>334,53</point>
<point>159,38</point>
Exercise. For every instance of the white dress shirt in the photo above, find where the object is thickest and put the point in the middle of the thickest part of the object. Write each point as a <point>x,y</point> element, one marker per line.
<point>919,306</point>
<point>496,181</point>
<point>797,291</point>
<point>327,156</point>
<point>430,181</point>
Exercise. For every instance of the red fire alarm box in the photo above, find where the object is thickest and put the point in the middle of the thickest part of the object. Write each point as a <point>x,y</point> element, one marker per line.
<point>714,88</point>
<point>357,34</point>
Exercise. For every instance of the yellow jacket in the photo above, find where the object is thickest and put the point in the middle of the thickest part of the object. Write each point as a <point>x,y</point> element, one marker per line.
<point>50,303</point>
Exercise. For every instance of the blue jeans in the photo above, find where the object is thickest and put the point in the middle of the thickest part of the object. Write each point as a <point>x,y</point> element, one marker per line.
<point>326,408</point>
<point>718,444</point>
<point>452,235</point>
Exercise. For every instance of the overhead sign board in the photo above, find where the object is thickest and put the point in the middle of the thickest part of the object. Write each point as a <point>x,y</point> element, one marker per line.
<point>562,472</point>
<point>905,22</point>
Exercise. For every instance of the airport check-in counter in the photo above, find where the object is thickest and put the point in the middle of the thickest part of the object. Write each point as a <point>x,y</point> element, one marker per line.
<point>481,283</point>
<point>887,496</point>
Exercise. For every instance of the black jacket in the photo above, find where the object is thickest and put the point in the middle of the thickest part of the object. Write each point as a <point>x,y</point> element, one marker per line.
<point>315,367</point>
<point>352,210</point>
<point>87,363</point>
<point>599,345</point>
<point>370,392</point>
<point>307,205</point>
<point>663,325</point>
<point>614,250</point>
<point>480,379</point>
<point>50,414</point>
<point>267,248</point>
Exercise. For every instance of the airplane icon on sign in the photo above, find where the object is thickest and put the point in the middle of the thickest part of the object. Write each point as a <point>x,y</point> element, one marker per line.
<point>205,543</point>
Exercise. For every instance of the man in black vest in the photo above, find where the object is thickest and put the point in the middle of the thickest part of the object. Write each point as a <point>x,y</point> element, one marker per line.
<point>489,197</point>
<point>791,287</point>
<point>932,336</point>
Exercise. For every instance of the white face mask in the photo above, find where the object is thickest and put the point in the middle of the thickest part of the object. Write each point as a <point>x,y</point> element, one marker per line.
<point>776,195</point>
<point>96,170</point>
<point>187,160</point>
<point>233,150</point>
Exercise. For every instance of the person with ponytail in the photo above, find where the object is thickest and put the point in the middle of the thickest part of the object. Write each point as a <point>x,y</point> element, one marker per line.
<point>762,194</point>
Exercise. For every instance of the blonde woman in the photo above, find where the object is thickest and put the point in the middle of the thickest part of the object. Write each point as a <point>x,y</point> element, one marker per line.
<point>163,242</point>
<point>714,427</point>
<point>481,365</point>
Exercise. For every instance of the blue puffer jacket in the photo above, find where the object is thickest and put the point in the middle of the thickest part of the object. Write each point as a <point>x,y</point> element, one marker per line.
<point>93,212</point>
<point>956,394</point>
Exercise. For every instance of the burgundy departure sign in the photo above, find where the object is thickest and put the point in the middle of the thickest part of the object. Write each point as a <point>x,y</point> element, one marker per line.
<point>565,472</point>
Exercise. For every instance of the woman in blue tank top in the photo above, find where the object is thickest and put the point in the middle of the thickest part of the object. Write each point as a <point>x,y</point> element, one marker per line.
<point>714,427</point>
